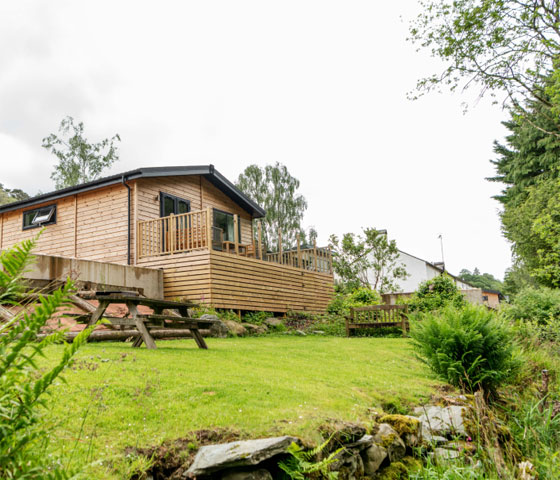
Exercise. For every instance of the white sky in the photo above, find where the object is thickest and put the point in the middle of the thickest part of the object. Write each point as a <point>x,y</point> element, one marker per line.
<point>317,85</point>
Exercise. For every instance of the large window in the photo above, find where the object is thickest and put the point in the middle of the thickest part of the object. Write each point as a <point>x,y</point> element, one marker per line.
<point>39,217</point>
<point>224,221</point>
<point>170,204</point>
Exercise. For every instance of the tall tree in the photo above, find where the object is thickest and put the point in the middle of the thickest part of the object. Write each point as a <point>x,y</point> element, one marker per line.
<point>8,195</point>
<point>274,189</point>
<point>78,160</point>
<point>368,260</point>
<point>528,155</point>
<point>481,280</point>
<point>507,47</point>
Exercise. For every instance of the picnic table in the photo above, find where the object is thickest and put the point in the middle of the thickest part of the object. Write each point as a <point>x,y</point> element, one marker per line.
<point>144,323</point>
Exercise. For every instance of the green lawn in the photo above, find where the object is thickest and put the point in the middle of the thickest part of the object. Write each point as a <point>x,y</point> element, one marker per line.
<point>116,396</point>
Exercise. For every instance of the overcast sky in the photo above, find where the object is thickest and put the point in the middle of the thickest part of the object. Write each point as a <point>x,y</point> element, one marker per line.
<point>317,85</point>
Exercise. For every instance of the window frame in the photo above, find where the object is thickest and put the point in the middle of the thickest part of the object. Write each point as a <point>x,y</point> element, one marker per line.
<point>176,201</point>
<point>51,221</point>
<point>232,215</point>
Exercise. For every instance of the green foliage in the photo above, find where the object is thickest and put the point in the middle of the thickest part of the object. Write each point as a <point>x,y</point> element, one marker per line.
<point>8,195</point>
<point>256,318</point>
<point>468,347</point>
<point>516,278</point>
<point>303,464</point>
<point>436,293</point>
<point>78,160</point>
<point>15,263</point>
<point>481,280</point>
<point>369,261</point>
<point>536,429</point>
<point>274,189</point>
<point>362,296</point>
<point>506,46</point>
<point>23,384</point>
<point>532,227</point>
<point>540,305</point>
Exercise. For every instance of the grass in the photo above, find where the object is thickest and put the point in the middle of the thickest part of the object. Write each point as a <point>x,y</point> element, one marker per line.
<point>116,396</point>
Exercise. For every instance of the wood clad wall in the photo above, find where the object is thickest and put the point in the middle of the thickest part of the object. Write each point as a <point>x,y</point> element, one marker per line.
<point>91,225</point>
<point>185,275</point>
<point>102,232</point>
<point>57,239</point>
<point>199,191</point>
<point>250,284</point>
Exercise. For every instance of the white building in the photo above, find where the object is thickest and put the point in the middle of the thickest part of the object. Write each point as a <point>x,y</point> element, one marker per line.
<point>420,270</point>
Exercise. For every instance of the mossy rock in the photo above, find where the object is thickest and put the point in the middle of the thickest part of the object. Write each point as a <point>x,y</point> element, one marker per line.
<point>395,471</point>
<point>402,423</point>
<point>400,470</point>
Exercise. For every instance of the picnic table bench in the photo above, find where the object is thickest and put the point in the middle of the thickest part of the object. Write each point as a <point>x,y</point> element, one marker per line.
<point>146,322</point>
<point>377,316</point>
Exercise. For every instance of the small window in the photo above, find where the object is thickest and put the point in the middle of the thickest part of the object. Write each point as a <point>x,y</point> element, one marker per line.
<point>39,217</point>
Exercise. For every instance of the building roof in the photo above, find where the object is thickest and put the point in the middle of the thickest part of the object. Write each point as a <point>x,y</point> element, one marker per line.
<point>207,171</point>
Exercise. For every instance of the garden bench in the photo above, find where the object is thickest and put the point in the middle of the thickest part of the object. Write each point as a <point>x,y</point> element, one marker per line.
<point>377,316</point>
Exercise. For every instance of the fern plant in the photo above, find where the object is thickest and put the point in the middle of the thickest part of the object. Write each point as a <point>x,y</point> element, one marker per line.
<point>22,384</point>
<point>301,464</point>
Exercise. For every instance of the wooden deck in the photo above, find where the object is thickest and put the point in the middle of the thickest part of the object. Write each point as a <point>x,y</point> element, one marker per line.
<point>234,282</point>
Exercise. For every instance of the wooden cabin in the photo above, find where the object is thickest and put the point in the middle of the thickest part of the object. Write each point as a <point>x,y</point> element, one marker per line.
<point>191,222</point>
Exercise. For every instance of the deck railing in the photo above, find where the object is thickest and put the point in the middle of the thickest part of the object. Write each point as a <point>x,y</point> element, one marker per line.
<point>174,234</point>
<point>195,231</point>
<point>314,259</point>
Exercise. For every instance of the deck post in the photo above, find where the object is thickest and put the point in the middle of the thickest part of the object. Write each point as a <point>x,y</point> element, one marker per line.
<point>171,232</point>
<point>259,228</point>
<point>298,252</point>
<point>208,228</point>
<point>315,255</point>
<point>236,233</point>
<point>280,252</point>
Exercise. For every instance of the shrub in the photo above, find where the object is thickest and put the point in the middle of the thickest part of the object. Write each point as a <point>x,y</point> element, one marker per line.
<point>342,302</point>
<point>541,305</point>
<point>438,292</point>
<point>22,384</point>
<point>469,347</point>
<point>256,318</point>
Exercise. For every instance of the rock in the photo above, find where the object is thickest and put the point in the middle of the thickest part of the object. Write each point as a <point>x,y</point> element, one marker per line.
<point>435,440</point>
<point>273,322</point>
<point>235,328</point>
<point>407,427</point>
<point>260,474</point>
<point>349,465</point>
<point>318,332</point>
<point>211,458</point>
<point>372,458</point>
<point>388,438</point>
<point>361,444</point>
<point>301,333</point>
<point>445,421</point>
<point>443,454</point>
<point>255,329</point>
<point>218,329</point>
<point>341,433</point>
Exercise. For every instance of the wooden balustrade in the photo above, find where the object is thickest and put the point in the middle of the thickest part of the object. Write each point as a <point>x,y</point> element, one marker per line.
<point>174,234</point>
<point>314,259</point>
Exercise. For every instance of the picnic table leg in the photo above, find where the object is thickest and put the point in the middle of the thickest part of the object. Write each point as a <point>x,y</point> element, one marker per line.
<point>198,338</point>
<point>95,316</point>
<point>145,334</point>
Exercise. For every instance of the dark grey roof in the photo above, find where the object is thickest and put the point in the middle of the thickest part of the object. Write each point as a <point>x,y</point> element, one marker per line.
<point>207,171</point>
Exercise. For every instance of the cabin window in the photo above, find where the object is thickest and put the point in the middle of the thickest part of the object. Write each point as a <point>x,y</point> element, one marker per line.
<point>224,221</point>
<point>39,217</point>
<point>170,204</point>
